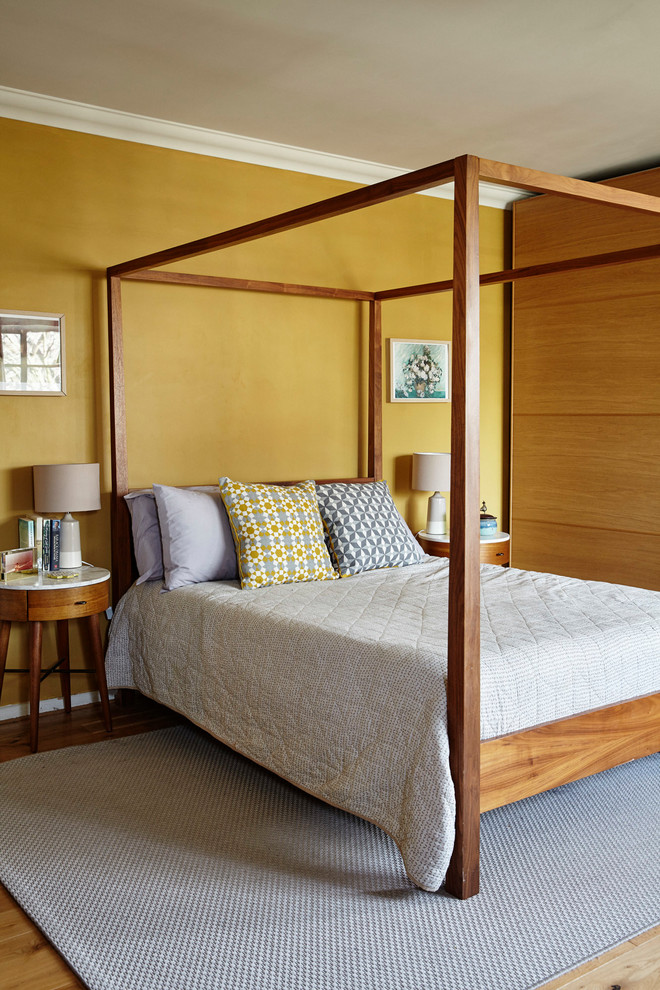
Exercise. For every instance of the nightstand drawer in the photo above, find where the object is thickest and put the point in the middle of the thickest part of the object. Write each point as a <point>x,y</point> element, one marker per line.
<point>435,548</point>
<point>495,553</point>
<point>67,603</point>
<point>491,551</point>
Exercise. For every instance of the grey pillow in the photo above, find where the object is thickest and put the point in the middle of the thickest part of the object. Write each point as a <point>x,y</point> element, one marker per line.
<point>365,529</point>
<point>146,535</point>
<point>195,536</point>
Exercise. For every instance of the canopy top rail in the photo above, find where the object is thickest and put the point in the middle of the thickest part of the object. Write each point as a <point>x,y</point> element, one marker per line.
<point>560,185</point>
<point>248,285</point>
<point>648,252</point>
<point>357,199</point>
<point>382,192</point>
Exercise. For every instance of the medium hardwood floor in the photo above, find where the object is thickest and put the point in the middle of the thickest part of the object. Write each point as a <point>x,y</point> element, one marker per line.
<point>29,962</point>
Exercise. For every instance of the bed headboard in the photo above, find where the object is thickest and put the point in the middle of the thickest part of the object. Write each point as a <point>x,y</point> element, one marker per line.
<point>126,552</point>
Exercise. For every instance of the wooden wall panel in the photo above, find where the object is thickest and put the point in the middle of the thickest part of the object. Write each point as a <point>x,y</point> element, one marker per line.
<point>580,551</point>
<point>588,342</point>
<point>585,476</point>
<point>593,471</point>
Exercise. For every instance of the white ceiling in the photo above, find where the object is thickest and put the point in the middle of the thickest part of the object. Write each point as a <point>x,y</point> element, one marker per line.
<point>568,86</point>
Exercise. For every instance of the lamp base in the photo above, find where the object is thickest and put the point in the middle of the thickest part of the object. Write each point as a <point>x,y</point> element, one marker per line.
<point>70,555</point>
<point>436,519</point>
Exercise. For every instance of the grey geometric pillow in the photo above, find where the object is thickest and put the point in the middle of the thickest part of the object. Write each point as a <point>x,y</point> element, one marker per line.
<point>365,529</point>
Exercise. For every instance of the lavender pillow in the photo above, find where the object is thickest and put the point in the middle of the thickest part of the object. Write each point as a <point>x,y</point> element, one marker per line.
<point>195,536</point>
<point>146,535</point>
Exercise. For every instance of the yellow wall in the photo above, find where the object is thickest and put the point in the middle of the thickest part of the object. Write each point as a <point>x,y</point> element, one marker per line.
<point>254,386</point>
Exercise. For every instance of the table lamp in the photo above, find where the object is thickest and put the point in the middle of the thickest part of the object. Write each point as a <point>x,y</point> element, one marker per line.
<point>431,473</point>
<point>67,488</point>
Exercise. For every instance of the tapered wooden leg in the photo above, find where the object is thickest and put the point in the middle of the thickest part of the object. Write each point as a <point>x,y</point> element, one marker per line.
<point>35,676</point>
<point>62,636</point>
<point>99,666</point>
<point>5,629</point>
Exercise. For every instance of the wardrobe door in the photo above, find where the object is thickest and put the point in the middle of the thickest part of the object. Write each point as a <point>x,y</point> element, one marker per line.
<point>585,458</point>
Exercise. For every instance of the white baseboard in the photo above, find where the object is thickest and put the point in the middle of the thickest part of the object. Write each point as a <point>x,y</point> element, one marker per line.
<point>22,709</point>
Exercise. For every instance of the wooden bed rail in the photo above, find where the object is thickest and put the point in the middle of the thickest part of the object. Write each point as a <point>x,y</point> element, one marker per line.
<point>535,760</point>
<point>463,629</point>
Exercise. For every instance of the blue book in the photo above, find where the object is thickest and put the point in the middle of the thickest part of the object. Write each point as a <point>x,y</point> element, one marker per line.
<point>45,553</point>
<point>54,544</point>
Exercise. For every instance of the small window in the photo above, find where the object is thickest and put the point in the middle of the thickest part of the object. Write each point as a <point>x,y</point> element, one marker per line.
<point>32,354</point>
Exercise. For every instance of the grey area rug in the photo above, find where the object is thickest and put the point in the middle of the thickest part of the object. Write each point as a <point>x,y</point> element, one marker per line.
<point>165,861</point>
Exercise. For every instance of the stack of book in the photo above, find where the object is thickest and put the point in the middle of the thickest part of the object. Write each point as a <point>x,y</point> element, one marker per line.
<point>51,545</point>
<point>44,535</point>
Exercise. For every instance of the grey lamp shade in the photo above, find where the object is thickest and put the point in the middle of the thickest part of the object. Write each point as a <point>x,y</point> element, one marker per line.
<point>431,472</point>
<point>66,487</point>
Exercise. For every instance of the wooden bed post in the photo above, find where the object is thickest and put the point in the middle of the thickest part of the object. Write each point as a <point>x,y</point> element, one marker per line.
<point>463,700</point>
<point>120,522</point>
<point>375,463</point>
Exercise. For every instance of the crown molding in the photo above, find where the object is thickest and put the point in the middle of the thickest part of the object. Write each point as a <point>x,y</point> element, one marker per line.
<point>69,115</point>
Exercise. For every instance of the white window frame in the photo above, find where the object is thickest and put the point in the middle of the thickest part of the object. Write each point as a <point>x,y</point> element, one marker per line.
<point>27,317</point>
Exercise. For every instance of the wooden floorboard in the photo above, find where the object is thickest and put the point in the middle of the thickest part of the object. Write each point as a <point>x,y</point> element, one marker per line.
<point>82,725</point>
<point>29,962</point>
<point>636,968</point>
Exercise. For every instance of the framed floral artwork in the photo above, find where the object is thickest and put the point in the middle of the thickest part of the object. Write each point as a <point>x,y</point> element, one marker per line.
<point>420,370</point>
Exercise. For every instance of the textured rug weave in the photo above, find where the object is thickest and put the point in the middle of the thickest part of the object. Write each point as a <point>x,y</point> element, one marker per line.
<point>166,862</point>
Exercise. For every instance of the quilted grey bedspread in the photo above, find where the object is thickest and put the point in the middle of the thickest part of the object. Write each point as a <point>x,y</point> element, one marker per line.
<point>339,686</point>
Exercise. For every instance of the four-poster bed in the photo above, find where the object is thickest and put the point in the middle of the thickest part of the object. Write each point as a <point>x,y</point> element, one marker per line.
<point>485,775</point>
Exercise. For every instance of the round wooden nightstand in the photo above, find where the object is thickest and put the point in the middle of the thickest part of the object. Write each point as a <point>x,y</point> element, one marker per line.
<point>493,549</point>
<point>37,599</point>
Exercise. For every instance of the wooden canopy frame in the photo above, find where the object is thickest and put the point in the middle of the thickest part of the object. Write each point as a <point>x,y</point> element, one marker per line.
<point>498,771</point>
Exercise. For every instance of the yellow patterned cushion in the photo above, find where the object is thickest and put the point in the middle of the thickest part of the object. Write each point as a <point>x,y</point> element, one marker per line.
<point>278,533</point>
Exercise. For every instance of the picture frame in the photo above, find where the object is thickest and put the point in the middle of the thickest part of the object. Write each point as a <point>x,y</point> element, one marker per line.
<point>32,353</point>
<point>420,370</point>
